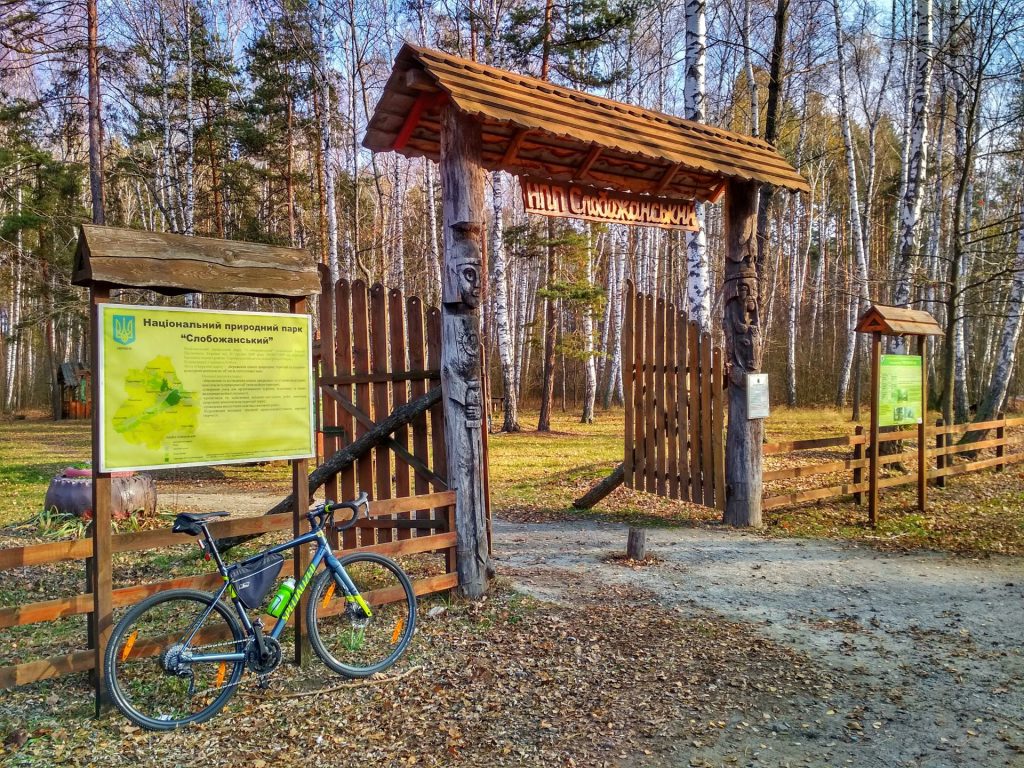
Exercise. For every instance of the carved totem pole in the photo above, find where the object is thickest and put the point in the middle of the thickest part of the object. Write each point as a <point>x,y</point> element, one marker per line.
<point>742,326</point>
<point>462,280</point>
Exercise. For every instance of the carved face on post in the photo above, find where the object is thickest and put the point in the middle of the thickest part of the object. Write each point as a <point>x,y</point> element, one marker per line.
<point>462,278</point>
<point>742,325</point>
<point>461,375</point>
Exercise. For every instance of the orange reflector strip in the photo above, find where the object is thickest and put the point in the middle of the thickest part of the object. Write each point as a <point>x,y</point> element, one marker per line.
<point>328,595</point>
<point>221,672</point>
<point>398,630</point>
<point>129,645</point>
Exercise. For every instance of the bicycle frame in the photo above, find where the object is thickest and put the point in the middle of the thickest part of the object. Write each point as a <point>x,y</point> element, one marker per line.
<point>323,553</point>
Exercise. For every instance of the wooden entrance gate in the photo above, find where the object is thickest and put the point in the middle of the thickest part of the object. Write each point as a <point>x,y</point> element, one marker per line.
<point>672,382</point>
<point>386,353</point>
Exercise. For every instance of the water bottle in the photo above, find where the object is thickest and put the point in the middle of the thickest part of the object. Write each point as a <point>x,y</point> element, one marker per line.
<point>284,594</point>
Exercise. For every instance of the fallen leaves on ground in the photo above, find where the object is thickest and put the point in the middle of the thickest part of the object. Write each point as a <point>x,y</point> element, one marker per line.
<point>615,679</point>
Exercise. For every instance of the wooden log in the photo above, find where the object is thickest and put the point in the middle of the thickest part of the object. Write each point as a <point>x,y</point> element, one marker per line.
<point>636,544</point>
<point>602,489</point>
<point>1001,438</point>
<point>858,467</point>
<point>462,278</point>
<point>744,438</point>
<point>369,440</point>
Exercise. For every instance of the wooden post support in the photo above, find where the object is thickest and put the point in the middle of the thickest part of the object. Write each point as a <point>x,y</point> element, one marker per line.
<point>101,620</point>
<point>876,363</point>
<point>940,459</point>
<point>743,449</point>
<point>300,492</point>
<point>1001,447</point>
<point>858,471</point>
<point>461,282</point>
<point>636,544</point>
<point>922,429</point>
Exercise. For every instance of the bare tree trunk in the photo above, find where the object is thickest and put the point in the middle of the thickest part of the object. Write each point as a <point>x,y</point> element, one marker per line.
<point>95,116</point>
<point>590,364</point>
<point>1006,356</point>
<point>860,264</point>
<point>698,280</point>
<point>499,294</point>
<point>323,84</point>
<point>547,394</point>
<point>910,205</point>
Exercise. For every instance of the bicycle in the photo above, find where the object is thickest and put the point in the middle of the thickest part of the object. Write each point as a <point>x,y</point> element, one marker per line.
<point>176,658</point>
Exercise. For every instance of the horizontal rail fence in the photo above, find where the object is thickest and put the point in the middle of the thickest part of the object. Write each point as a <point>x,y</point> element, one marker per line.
<point>378,351</point>
<point>441,540</point>
<point>834,467</point>
<point>675,410</point>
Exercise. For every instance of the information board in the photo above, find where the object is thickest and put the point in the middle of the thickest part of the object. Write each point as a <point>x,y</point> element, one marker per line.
<point>757,396</point>
<point>184,387</point>
<point>899,390</point>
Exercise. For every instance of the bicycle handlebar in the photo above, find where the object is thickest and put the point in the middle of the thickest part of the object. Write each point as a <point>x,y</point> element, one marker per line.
<point>324,510</point>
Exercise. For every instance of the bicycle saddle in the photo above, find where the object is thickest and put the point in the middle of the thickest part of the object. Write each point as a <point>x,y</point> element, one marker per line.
<point>191,522</point>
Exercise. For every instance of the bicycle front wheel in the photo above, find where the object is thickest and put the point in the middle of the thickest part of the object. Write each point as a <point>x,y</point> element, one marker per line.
<point>348,640</point>
<point>149,671</point>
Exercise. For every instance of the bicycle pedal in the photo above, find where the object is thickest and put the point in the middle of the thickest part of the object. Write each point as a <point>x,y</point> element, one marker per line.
<point>263,683</point>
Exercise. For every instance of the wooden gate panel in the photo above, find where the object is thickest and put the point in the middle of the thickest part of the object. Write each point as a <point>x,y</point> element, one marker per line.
<point>673,386</point>
<point>385,353</point>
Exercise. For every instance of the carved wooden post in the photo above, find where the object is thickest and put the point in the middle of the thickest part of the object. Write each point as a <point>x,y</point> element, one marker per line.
<point>743,355</point>
<point>462,204</point>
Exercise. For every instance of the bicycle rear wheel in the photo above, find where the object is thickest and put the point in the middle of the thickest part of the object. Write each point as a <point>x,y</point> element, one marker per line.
<point>343,636</point>
<point>148,672</point>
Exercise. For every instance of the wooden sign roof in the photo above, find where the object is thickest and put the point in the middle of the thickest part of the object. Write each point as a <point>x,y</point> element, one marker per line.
<point>531,127</point>
<point>175,264</point>
<point>897,321</point>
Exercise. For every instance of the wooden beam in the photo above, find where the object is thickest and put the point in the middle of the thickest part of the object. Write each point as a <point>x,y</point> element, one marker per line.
<point>418,80</point>
<point>666,179</point>
<point>592,155</point>
<point>513,146</point>
<point>922,428</point>
<point>411,121</point>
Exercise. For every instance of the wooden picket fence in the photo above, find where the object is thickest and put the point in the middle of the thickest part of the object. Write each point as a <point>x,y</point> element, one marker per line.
<point>80,550</point>
<point>386,352</point>
<point>675,411</point>
<point>839,464</point>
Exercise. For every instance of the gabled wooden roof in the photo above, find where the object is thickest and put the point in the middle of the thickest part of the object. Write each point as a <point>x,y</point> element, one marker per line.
<point>175,264</point>
<point>531,127</point>
<point>897,321</point>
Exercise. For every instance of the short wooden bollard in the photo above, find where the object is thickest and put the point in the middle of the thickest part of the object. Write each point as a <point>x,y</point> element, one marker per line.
<point>636,544</point>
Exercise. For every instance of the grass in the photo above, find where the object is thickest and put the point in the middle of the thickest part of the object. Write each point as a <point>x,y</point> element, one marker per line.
<point>536,476</point>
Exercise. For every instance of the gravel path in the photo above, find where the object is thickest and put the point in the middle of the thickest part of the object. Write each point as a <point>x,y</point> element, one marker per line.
<point>929,649</point>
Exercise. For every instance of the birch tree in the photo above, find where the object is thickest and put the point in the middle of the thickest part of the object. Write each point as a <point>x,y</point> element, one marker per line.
<point>698,282</point>
<point>909,212</point>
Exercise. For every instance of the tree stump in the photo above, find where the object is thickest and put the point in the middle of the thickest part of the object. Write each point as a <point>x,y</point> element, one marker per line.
<point>636,544</point>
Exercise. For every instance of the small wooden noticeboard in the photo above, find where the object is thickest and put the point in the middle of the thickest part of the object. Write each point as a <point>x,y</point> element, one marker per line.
<point>578,201</point>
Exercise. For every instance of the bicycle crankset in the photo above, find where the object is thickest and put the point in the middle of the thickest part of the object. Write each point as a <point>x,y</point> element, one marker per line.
<point>269,662</point>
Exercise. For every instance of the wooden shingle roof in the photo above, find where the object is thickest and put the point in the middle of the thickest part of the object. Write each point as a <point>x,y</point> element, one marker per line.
<point>897,321</point>
<point>175,264</point>
<point>533,128</point>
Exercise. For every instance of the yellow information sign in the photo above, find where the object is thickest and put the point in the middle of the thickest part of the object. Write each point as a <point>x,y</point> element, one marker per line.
<point>185,387</point>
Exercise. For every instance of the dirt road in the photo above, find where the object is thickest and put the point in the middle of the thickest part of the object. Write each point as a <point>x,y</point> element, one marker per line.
<point>928,649</point>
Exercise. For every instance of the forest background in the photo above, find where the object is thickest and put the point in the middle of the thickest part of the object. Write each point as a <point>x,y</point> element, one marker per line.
<point>242,119</point>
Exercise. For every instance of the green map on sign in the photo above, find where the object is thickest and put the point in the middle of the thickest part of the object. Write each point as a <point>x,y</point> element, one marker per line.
<point>157,405</point>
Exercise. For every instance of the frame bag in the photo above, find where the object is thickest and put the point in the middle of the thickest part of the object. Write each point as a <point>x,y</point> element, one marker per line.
<point>252,581</point>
